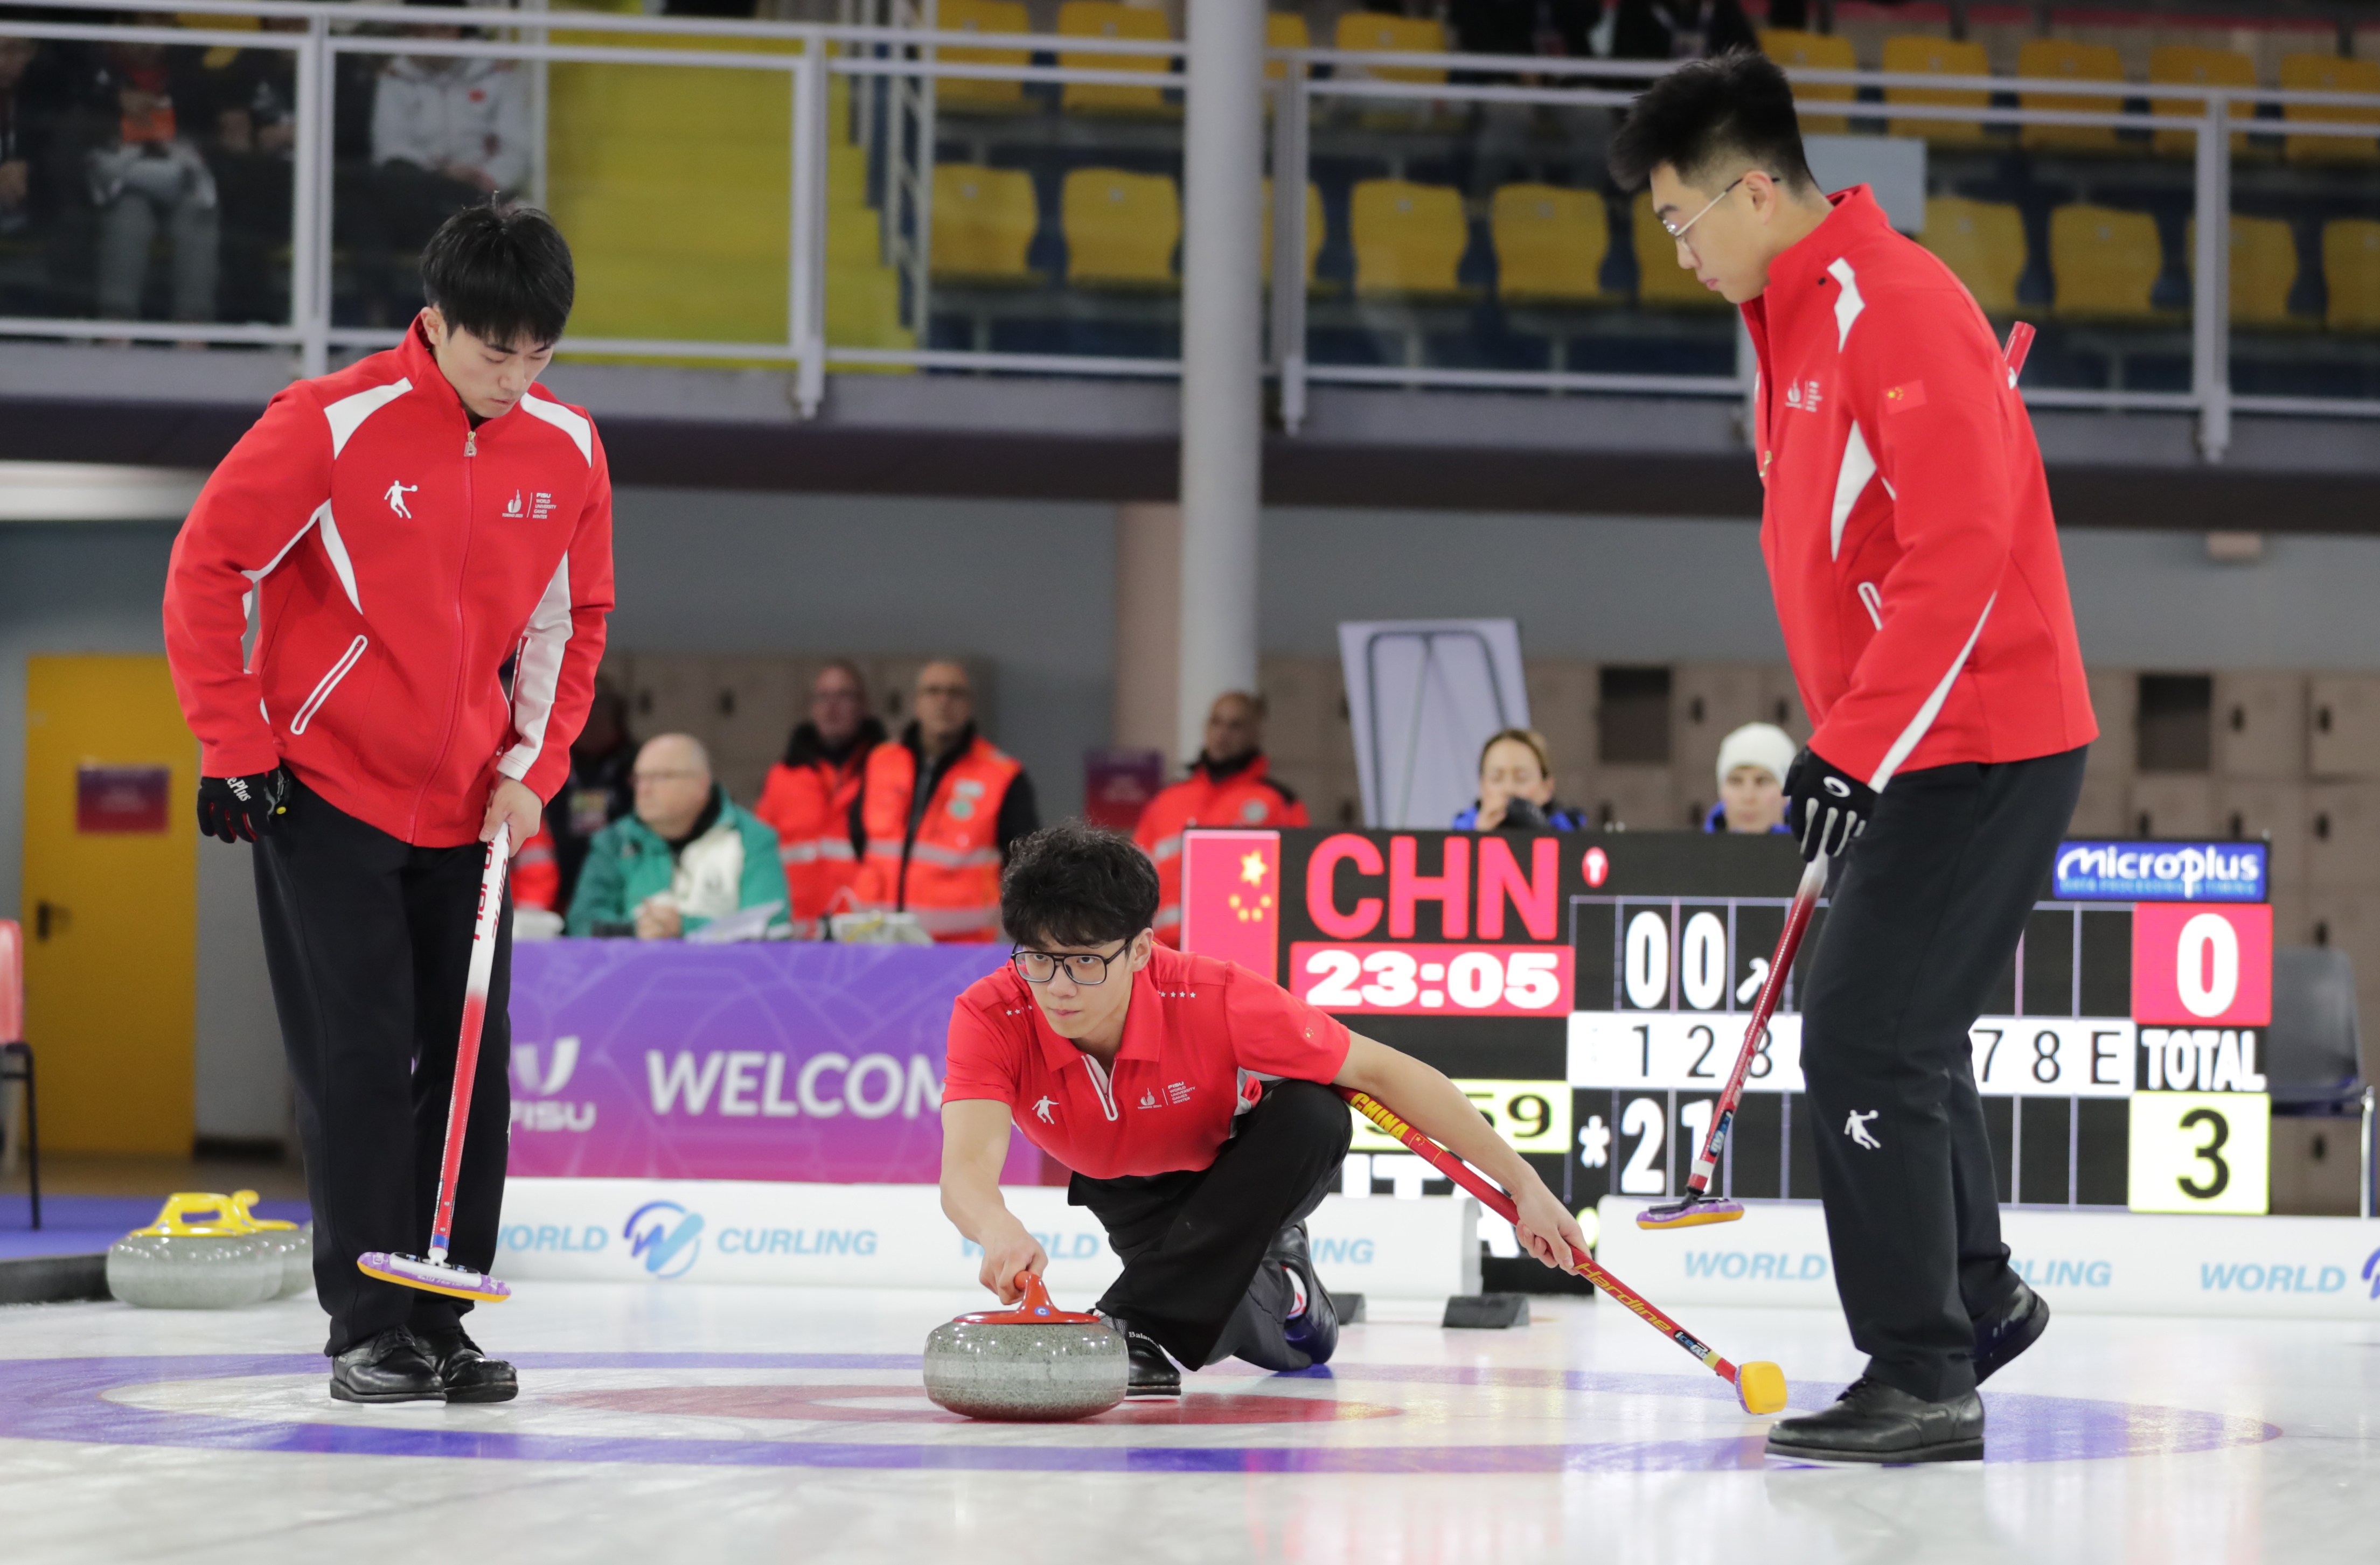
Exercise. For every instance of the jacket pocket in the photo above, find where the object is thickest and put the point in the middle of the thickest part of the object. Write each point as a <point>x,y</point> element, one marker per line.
<point>330,681</point>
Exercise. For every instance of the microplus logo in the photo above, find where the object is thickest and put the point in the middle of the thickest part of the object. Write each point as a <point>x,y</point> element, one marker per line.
<point>2160,872</point>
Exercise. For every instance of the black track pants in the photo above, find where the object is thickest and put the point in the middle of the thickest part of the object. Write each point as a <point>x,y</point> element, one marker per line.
<point>368,940</point>
<point>1195,1275</point>
<point>1925,917</point>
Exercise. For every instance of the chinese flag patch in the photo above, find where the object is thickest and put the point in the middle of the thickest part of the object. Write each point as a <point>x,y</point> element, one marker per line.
<point>1902,398</point>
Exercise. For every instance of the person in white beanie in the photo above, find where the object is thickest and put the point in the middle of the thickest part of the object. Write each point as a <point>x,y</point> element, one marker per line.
<point>1752,765</point>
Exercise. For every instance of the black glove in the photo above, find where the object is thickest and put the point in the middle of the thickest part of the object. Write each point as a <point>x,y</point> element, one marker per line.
<point>1825,808</point>
<point>241,809</point>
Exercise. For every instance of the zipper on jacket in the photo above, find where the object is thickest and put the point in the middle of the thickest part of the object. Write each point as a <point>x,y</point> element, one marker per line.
<point>462,574</point>
<point>330,681</point>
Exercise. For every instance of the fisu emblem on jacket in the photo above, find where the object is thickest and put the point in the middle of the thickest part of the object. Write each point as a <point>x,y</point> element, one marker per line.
<point>964,795</point>
<point>540,506</point>
<point>1803,395</point>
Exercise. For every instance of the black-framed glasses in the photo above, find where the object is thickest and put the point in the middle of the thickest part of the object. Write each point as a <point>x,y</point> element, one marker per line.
<point>1088,968</point>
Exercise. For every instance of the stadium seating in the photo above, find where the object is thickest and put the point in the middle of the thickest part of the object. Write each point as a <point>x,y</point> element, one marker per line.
<point>1814,51</point>
<point>1919,54</point>
<point>863,309</point>
<point>2351,267</point>
<point>1315,230</point>
<point>1550,244</point>
<point>2183,65</point>
<point>1984,243</point>
<point>2263,270</point>
<point>1121,228</point>
<point>1374,33</point>
<point>2106,263</point>
<point>964,96</point>
<point>2329,73</point>
<point>1110,18</point>
<point>1284,30</point>
<point>984,223</point>
<point>2075,62</point>
<point>1409,239</point>
<point>1662,283</point>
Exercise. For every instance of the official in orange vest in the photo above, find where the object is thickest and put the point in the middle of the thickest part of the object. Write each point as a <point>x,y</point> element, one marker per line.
<point>938,810</point>
<point>1227,786</point>
<point>810,797</point>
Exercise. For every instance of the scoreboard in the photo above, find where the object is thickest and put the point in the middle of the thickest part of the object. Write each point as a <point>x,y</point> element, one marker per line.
<point>1589,993</point>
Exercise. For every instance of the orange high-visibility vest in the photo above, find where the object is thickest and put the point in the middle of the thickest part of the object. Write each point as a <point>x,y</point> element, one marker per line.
<point>1247,797</point>
<point>809,806</point>
<point>949,874</point>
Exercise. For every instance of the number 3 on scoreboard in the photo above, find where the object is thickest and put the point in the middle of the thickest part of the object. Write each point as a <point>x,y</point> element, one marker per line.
<point>2199,1151</point>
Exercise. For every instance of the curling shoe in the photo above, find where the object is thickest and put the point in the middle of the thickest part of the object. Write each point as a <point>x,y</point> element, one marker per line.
<point>1315,1332</point>
<point>2009,1330</point>
<point>391,1367</point>
<point>1151,1374</point>
<point>1875,1423</point>
<point>468,1375</point>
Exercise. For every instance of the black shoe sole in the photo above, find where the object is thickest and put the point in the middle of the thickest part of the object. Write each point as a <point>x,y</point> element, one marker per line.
<point>342,1394</point>
<point>2036,1324</point>
<point>1946,1450</point>
<point>485,1394</point>
<point>1153,1394</point>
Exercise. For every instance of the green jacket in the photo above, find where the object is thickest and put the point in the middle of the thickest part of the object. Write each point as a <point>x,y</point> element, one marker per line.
<point>732,865</point>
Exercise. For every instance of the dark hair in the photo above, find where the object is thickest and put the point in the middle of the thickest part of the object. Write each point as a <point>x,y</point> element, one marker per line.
<point>501,273</point>
<point>1076,884</point>
<point>1709,115</point>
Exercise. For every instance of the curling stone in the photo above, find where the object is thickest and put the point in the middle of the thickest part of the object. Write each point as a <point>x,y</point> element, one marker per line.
<point>295,1243</point>
<point>1034,1364</point>
<point>176,1264</point>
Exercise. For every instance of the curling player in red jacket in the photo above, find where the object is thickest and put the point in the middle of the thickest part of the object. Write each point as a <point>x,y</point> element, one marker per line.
<point>1917,577</point>
<point>397,533</point>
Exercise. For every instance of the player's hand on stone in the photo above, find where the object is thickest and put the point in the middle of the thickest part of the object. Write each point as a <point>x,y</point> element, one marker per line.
<point>1546,1230</point>
<point>510,801</point>
<point>241,809</point>
<point>1005,1255</point>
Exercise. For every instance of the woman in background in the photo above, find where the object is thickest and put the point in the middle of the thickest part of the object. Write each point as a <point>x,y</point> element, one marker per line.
<point>1516,788</point>
<point>1752,765</point>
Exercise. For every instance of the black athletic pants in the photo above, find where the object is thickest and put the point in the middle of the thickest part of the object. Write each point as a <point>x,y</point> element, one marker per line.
<point>1196,1276</point>
<point>368,940</point>
<point>1924,915</point>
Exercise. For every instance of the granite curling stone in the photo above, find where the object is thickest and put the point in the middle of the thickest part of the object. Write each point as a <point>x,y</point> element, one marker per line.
<point>1035,1363</point>
<point>176,1264</point>
<point>296,1244</point>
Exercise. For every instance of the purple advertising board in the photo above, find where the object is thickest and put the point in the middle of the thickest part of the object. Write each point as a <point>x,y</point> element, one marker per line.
<point>659,1060</point>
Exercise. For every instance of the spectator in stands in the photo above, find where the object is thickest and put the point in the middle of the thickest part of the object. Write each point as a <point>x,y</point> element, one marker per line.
<point>1676,30</point>
<point>1229,785</point>
<point>254,138</point>
<point>30,111</point>
<point>938,810</point>
<point>1752,765</point>
<point>145,171</point>
<point>1556,29</point>
<point>688,857</point>
<point>446,133</point>
<point>1516,788</point>
<point>810,797</point>
<point>598,792</point>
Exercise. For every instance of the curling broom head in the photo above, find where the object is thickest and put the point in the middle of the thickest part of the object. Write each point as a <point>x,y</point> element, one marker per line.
<point>1760,1387</point>
<point>1691,1212</point>
<point>412,1271</point>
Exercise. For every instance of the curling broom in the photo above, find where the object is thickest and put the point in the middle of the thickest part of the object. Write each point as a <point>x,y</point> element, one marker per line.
<point>1759,1387</point>
<point>433,1273</point>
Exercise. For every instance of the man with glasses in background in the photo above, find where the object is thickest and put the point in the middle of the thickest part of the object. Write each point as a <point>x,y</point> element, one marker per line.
<point>1195,1103</point>
<point>686,858</point>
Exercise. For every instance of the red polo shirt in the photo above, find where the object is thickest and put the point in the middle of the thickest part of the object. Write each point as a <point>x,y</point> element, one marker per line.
<point>1200,1039</point>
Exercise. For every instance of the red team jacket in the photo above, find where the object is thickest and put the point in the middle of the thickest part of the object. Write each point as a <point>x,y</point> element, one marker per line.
<point>1907,526</point>
<point>396,557</point>
<point>1246,797</point>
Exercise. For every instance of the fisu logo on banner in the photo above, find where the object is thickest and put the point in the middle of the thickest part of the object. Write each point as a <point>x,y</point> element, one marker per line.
<point>542,1113</point>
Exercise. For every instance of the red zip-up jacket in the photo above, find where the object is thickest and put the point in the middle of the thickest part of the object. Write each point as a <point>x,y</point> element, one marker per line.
<point>395,558</point>
<point>1907,525</point>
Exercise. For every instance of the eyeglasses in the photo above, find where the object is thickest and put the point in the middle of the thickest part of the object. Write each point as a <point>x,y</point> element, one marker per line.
<point>1677,232</point>
<point>643,779</point>
<point>1088,968</point>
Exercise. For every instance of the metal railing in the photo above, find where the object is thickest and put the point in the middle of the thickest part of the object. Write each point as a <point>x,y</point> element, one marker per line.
<point>895,64</point>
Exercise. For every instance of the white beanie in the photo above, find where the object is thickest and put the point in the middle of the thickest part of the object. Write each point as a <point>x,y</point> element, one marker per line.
<point>1763,745</point>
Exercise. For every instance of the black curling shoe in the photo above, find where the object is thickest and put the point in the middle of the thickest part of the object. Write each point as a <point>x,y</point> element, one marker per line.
<point>1316,1332</point>
<point>2015,1327</point>
<point>391,1367</point>
<point>1875,1423</point>
<point>468,1375</point>
<point>1152,1373</point>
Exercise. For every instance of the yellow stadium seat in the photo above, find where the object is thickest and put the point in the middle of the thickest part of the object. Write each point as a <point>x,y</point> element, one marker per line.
<point>1108,19</point>
<point>1409,238</point>
<point>2185,65</point>
<point>2350,266</point>
<point>2329,73</point>
<point>1314,230</point>
<point>854,236</point>
<point>1814,51</point>
<point>2105,263</point>
<point>1121,228</point>
<point>1918,55</point>
<point>967,95</point>
<point>1284,30</point>
<point>1550,244</point>
<point>863,309</point>
<point>984,221</point>
<point>1374,32</point>
<point>2263,270</point>
<point>846,177</point>
<point>2064,58</point>
<point>1984,243</point>
<point>1662,283</point>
